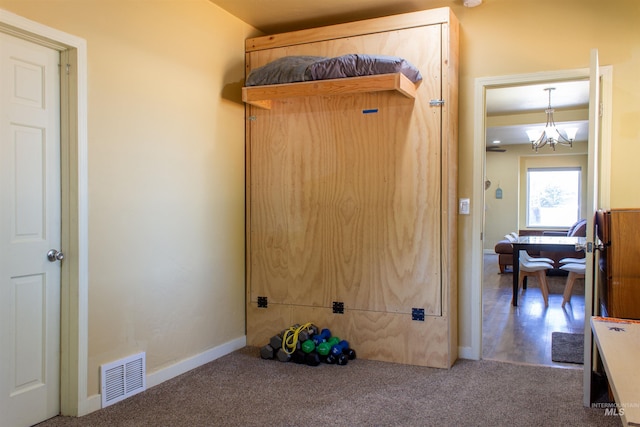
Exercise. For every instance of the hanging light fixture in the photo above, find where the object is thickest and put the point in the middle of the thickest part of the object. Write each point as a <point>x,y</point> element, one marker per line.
<point>551,134</point>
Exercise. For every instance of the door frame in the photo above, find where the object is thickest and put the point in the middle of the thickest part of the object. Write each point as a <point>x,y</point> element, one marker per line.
<point>74,178</point>
<point>479,153</point>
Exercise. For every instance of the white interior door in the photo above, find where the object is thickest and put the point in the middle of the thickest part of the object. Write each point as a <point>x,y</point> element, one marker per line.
<point>592,207</point>
<point>29,228</point>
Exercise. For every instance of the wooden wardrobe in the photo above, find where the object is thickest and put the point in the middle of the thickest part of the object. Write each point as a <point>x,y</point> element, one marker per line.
<point>620,269</point>
<point>351,192</point>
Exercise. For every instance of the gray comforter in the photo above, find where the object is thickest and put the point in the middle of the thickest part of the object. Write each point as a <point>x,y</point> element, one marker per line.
<point>291,69</point>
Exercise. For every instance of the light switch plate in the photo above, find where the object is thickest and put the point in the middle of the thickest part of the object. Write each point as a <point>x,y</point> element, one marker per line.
<point>464,206</point>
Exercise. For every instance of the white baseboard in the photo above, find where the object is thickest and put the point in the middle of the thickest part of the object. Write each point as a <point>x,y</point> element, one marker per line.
<point>467,353</point>
<point>90,404</point>
<point>94,403</point>
<point>186,365</point>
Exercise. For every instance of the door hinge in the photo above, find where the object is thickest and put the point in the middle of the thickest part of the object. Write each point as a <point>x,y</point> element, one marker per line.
<point>68,68</point>
<point>436,102</point>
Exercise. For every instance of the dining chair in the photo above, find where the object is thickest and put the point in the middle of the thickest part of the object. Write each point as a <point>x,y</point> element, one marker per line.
<point>573,260</point>
<point>539,271</point>
<point>576,271</point>
<point>524,255</point>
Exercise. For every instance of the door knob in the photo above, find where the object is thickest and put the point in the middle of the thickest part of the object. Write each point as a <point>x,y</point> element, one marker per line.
<point>589,246</point>
<point>53,255</point>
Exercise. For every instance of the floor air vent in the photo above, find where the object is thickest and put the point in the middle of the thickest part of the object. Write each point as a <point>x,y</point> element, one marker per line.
<point>123,378</point>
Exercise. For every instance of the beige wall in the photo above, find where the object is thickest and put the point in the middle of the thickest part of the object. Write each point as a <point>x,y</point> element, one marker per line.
<point>508,170</point>
<point>503,37</point>
<point>166,174</point>
<point>166,150</point>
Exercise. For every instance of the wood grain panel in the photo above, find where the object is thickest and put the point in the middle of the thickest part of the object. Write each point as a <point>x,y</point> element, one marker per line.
<point>624,268</point>
<point>349,198</point>
<point>388,337</point>
<point>450,74</point>
<point>261,96</point>
<point>370,26</point>
<point>420,46</point>
<point>263,323</point>
<point>352,198</point>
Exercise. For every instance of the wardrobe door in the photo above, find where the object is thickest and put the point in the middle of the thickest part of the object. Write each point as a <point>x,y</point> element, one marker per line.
<point>346,190</point>
<point>623,256</point>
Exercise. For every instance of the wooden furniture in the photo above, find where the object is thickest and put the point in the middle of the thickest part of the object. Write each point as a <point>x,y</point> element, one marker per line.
<point>351,192</point>
<point>539,271</point>
<point>262,96</point>
<point>619,290</point>
<point>618,342</point>
<point>576,271</point>
<point>534,244</point>
<point>578,229</point>
<point>504,249</point>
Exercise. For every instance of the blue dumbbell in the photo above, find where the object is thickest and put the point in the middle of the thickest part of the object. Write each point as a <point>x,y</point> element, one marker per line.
<point>323,336</point>
<point>337,349</point>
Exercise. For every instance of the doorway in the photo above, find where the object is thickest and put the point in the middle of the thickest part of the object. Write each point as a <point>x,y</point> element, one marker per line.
<point>524,334</point>
<point>74,212</point>
<point>479,161</point>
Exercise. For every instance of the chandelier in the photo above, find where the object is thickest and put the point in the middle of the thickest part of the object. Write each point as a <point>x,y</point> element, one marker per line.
<point>551,134</point>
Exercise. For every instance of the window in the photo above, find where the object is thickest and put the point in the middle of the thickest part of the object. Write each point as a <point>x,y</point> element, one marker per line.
<point>553,197</point>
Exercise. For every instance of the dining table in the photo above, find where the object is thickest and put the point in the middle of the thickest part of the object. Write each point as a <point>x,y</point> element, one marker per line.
<point>540,243</point>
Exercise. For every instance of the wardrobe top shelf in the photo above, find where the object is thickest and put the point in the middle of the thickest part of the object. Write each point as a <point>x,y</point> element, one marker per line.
<point>262,96</point>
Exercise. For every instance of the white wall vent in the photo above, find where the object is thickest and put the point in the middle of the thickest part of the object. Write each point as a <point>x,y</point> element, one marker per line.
<point>123,378</point>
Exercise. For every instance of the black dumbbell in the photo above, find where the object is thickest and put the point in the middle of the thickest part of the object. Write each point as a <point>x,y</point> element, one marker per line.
<point>303,336</point>
<point>342,359</point>
<point>276,341</point>
<point>312,359</point>
<point>351,353</point>
<point>330,359</point>
<point>312,330</point>
<point>267,352</point>
<point>282,355</point>
<point>298,356</point>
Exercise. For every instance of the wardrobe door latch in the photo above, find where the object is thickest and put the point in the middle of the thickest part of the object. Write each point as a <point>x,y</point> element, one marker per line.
<point>436,102</point>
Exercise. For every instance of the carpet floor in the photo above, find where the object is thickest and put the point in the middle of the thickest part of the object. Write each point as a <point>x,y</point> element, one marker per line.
<point>241,389</point>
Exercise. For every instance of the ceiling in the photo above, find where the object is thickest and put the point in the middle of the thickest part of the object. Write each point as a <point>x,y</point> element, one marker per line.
<point>278,16</point>
<point>510,110</point>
